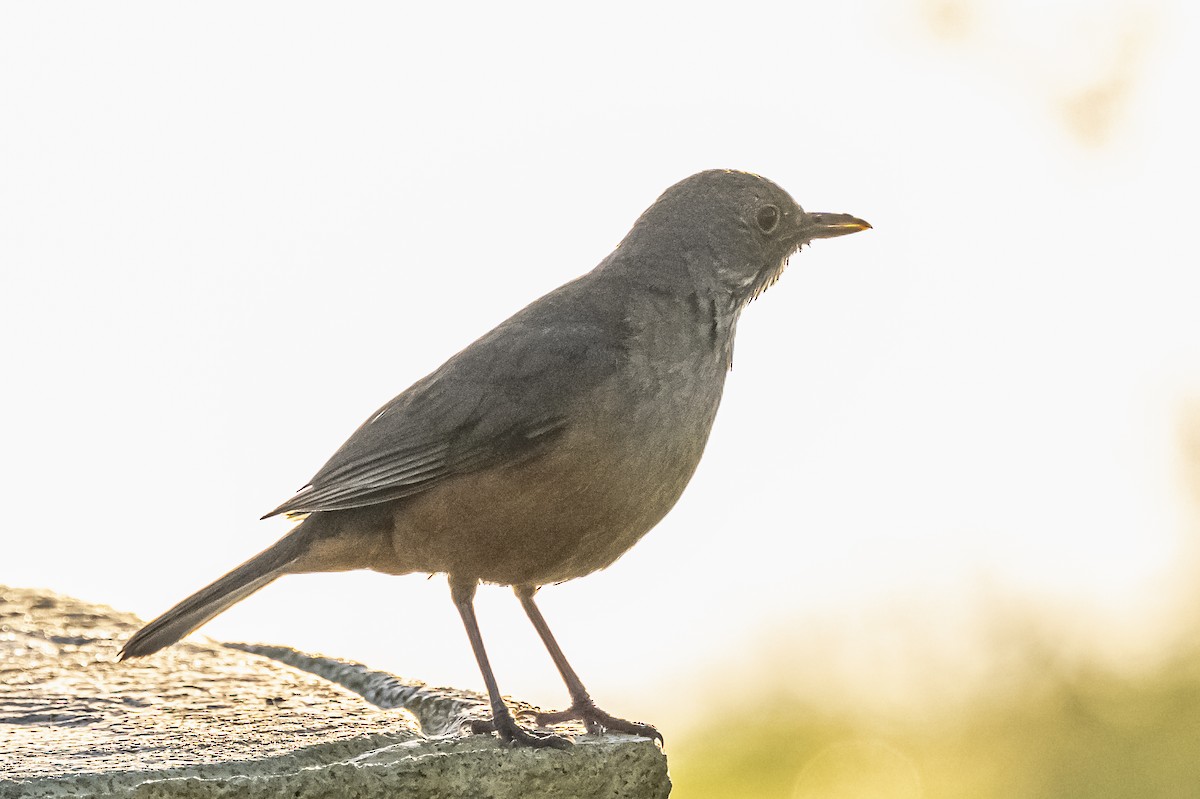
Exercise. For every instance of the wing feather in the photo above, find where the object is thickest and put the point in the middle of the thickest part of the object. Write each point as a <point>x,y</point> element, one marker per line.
<point>502,398</point>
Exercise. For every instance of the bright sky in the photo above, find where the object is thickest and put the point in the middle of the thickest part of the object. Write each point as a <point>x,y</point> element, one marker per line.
<point>231,231</point>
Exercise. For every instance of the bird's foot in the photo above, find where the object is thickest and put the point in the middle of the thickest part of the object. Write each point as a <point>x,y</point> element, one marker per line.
<point>509,731</point>
<point>597,721</point>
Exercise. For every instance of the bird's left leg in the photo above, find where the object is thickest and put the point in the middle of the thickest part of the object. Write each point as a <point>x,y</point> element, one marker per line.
<point>582,706</point>
<point>503,724</point>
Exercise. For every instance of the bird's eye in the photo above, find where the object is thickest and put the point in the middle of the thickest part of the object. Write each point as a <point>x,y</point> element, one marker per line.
<point>767,218</point>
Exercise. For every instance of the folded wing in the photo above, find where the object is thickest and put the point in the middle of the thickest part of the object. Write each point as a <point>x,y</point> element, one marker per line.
<point>502,399</point>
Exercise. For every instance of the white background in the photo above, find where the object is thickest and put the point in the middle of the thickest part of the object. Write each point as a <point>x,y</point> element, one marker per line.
<point>229,232</point>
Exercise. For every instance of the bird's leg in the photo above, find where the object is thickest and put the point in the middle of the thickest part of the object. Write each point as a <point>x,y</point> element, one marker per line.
<point>463,593</point>
<point>582,706</point>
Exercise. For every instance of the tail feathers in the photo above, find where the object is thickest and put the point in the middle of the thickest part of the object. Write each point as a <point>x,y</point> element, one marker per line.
<point>197,609</point>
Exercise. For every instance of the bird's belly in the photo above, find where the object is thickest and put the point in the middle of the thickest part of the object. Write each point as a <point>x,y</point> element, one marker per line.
<point>568,512</point>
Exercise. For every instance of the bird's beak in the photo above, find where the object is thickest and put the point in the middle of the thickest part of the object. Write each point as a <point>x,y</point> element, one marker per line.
<point>826,226</point>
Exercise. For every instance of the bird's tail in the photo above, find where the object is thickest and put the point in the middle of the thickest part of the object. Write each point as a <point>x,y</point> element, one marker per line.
<point>219,596</point>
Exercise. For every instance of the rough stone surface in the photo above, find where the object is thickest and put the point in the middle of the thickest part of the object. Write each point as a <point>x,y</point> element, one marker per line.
<point>208,720</point>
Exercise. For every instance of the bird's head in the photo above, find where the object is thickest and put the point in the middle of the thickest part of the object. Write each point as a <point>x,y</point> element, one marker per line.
<point>741,225</point>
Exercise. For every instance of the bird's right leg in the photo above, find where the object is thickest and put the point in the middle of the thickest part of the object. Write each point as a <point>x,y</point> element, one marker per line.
<point>463,593</point>
<point>582,706</point>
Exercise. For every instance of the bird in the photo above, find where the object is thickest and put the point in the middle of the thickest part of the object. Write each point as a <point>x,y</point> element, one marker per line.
<point>548,447</point>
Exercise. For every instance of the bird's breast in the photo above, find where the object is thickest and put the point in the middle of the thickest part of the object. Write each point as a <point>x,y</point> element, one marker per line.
<point>618,466</point>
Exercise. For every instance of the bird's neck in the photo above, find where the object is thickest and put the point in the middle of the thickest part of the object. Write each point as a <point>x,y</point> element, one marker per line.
<point>674,291</point>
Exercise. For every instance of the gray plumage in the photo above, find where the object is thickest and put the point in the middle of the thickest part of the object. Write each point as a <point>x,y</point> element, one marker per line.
<point>549,446</point>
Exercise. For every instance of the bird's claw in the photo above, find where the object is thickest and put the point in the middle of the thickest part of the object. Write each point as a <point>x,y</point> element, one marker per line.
<point>509,731</point>
<point>596,721</point>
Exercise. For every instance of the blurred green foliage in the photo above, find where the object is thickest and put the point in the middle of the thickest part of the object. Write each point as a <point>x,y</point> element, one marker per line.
<point>1045,726</point>
<point>1055,731</point>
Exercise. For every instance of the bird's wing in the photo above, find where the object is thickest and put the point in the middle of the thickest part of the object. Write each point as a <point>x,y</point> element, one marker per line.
<point>501,399</point>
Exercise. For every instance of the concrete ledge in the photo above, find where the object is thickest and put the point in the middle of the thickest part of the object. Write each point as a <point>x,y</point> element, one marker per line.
<point>207,720</point>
